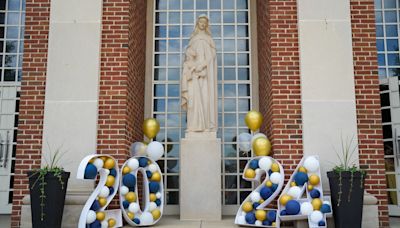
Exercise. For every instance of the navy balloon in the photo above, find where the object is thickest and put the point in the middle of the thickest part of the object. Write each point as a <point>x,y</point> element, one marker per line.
<point>283,212</point>
<point>95,224</point>
<point>250,218</point>
<point>255,205</point>
<point>129,180</point>
<point>315,193</point>
<point>136,220</point>
<point>269,172</point>
<point>300,178</point>
<point>325,208</point>
<point>148,174</point>
<point>274,187</point>
<point>158,202</point>
<point>95,206</point>
<point>253,164</point>
<point>321,223</point>
<point>271,216</point>
<point>265,192</point>
<point>113,172</point>
<point>154,187</point>
<point>266,223</point>
<point>125,204</point>
<point>142,162</point>
<point>292,207</point>
<point>111,190</point>
<point>90,171</point>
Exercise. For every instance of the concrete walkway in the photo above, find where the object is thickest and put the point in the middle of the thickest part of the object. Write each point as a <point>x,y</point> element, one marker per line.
<point>173,221</point>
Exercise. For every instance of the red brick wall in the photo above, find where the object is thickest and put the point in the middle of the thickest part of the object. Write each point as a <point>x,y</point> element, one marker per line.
<point>29,142</point>
<point>279,79</point>
<point>368,102</point>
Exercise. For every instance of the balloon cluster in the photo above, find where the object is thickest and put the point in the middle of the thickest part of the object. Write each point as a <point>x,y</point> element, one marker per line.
<point>96,217</point>
<point>306,178</point>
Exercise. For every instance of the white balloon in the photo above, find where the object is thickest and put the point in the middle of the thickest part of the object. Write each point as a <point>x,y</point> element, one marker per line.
<point>256,136</point>
<point>98,163</point>
<point>255,197</point>
<point>265,163</point>
<point>158,195</point>
<point>275,177</point>
<point>104,192</point>
<point>316,216</point>
<point>155,150</point>
<point>146,218</point>
<point>153,168</point>
<point>90,217</point>
<point>133,207</point>
<point>258,223</point>
<point>152,206</point>
<point>124,190</point>
<point>241,219</point>
<point>244,142</point>
<point>294,192</point>
<point>243,213</point>
<point>311,164</point>
<point>306,208</point>
<point>258,172</point>
<point>104,224</point>
<point>133,164</point>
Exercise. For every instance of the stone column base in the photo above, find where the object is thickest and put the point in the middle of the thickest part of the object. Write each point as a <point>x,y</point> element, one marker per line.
<point>200,178</point>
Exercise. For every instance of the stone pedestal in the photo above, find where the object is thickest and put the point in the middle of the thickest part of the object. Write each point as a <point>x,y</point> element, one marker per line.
<point>200,177</point>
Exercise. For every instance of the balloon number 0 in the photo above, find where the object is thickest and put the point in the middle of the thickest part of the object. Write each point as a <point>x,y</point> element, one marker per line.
<point>94,213</point>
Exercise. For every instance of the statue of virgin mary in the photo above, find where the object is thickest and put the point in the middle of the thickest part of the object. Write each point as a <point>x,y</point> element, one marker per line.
<point>199,80</point>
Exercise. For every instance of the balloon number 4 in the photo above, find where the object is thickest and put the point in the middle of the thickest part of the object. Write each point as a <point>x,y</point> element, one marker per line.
<point>153,193</point>
<point>252,211</point>
<point>94,213</point>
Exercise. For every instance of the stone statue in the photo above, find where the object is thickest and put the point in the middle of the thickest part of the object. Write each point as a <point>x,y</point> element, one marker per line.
<point>199,80</point>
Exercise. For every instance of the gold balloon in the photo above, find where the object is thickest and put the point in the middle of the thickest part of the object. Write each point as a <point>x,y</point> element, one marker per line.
<point>275,167</point>
<point>313,179</point>
<point>268,184</point>
<point>111,222</point>
<point>110,181</point>
<point>253,120</point>
<point>261,146</point>
<point>109,163</point>
<point>156,176</point>
<point>156,214</point>
<point>302,169</point>
<point>247,207</point>
<point>153,197</point>
<point>131,215</point>
<point>261,215</point>
<point>310,187</point>
<point>100,216</point>
<point>292,184</point>
<point>273,224</point>
<point>261,201</point>
<point>126,170</point>
<point>150,127</point>
<point>284,199</point>
<point>102,201</point>
<point>130,197</point>
<point>249,173</point>
<point>104,158</point>
<point>316,203</point>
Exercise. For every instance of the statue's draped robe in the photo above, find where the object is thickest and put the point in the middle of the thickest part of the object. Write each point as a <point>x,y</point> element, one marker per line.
<point>199,95</point>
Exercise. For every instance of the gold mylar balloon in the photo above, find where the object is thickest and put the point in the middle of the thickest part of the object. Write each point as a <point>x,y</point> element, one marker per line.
<point>102,201</point>
<point>110,181</point>
<point>261,146</point>
<point>268,184</point>
<point>249,173</point>
<point>284,199</point>
<point>261,215</point>
<point>247,207</point>
<point>126,170</point>
<point>156,176</point>
<point>302,169</point>
<point>292,184</point>
<point>156,214</point>
<point>275,167</point>
<point>153,197</point>
<point>130,197</point>
<point>131,215</point>
<point>100,216</point>
<point>316,203</point>
<point>109,163</point>
<point>253,120</point>
<point>313,179</point>
<point>111,222</point>
<point>104,158</point>
<point>150,127</point>
<point>310,187</point>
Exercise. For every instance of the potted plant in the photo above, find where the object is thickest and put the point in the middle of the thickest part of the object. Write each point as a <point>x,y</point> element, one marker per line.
<point>346,182</point>
<point>48,187</point>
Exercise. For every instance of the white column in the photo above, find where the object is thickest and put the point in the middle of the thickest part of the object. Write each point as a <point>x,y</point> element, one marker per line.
<point>327,79</point>
<point>72,84</point>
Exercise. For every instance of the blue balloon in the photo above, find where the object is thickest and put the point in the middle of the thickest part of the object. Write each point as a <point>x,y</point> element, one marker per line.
<point>325,208</point>
<point>300,178</point>
<point>143,162</point>
<point>292,207</point>
<point>136,220</point>
<point>154,187</point>
<point>265,192</point>
<point>132,189</point>
<point>113,172</point>
<point>148,174</point>
<point>255,205</point>
<point>125,204</point>
<point>254,164</point>
<point>95,224</point>
<point>95,206</point>
<point>269,172</point>
<point>266,223</point>
<point>129,180</point>
<point>111,190</point>
<point>274,187</point>
<point>321,223</point>
<point>90,171</point>
<point>315,193</point>
<point>158,202</point>
<point>250,218</point>
<point>271,216</point>
<point>283,212</point>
